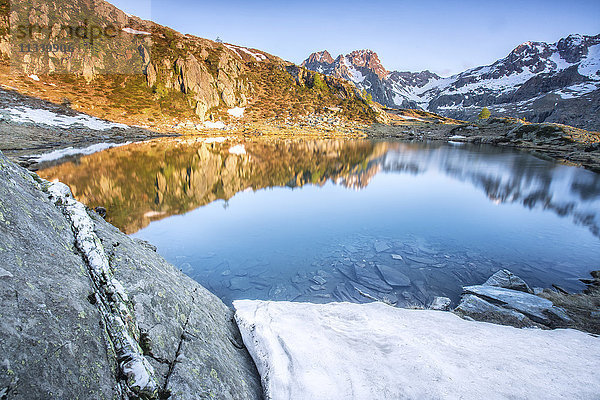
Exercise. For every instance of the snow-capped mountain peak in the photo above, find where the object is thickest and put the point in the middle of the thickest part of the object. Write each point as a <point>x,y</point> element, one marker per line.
<point>536,80</point>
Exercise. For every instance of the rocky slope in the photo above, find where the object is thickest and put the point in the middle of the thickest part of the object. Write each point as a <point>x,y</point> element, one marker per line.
<point>542,82</point>
<point>94,314</point>
<point>142,73</point>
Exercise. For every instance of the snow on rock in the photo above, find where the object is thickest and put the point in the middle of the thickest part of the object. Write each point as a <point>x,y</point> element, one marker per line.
<point>135,32</point>
<point>34,77</point>
<point>410,118</point>
<point>257,56</point>
<point>374,351</point>
<point>238,149</point>
<point>70,151</point>
<point>24,114</point>
<point>237,112</point>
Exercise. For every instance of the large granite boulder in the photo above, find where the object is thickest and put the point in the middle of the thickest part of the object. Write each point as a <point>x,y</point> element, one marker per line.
<point>55,337</point>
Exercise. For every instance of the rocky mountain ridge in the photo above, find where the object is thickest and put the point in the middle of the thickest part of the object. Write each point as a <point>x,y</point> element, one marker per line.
<point>542,82</point>
<point>146,74</point>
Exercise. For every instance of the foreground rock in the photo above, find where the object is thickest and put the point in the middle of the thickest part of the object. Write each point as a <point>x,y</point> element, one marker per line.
<point>507,299</point>
<point>55,332</point>
<point>374,351</point>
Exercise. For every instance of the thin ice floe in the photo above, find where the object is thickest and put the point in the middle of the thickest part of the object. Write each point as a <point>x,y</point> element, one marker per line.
<point>23,114</point>
<point>373,351</point>
<point>70,151</point>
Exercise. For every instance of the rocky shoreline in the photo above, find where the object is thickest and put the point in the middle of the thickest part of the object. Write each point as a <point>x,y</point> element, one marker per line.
<point>30,127</point>
<point>506,299</point>
<point>552,141</point>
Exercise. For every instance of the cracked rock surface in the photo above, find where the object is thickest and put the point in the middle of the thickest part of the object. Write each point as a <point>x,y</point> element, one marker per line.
<point>53,341</point>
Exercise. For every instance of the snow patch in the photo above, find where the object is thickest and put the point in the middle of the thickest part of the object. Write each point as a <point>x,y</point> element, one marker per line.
<point>590,67</point>
<point>577,90</point>
<point>410,118</point>
<point>34,77</point>
<point>24,114</point>
<point>135,32</point>
<point>374,351</point>
<point>70,151</point>
<point>257,56</point>
<point>237,112</point>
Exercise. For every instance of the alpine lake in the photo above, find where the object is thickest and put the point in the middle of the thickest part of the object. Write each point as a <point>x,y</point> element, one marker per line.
<point>345,220</point>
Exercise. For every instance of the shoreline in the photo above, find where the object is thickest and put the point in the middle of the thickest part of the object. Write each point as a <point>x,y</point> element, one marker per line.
<point>560,143</point>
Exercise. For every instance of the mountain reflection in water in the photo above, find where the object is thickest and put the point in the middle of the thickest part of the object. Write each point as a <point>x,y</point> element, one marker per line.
<point>152,180</point>
<point>346,220</point>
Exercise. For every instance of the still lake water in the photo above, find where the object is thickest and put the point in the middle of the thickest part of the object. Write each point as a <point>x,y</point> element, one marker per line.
<point>353,220</point>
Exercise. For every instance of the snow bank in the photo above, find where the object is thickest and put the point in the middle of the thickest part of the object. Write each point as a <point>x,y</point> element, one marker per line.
<point>374,351</point>
<point>237,112</point>
<point>46,117</point>
<point>70,151</point>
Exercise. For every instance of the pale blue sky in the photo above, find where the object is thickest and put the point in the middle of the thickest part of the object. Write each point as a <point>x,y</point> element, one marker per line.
<point>445,37</point>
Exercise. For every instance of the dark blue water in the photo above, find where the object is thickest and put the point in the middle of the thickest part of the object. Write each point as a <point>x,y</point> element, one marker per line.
<point>442,216</point>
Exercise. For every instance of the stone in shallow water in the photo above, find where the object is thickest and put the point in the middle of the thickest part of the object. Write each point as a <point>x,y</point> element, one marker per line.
<point>281,291</point>
<point>347,271</point>
<point>440,303</point>
<point>345,292</point>
<point>368,277</point>
<point>534,307</point>
<point>239,283</point>
<point>506,279</point>
<point>381,246</point>
<point>392,276</point>
<point>397,257</point>
<point>319,280</point>
<point>421,260</point>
